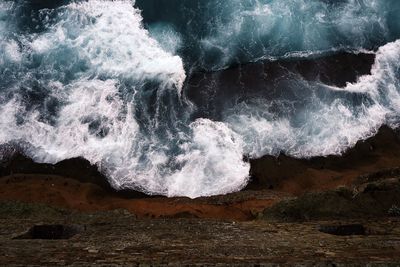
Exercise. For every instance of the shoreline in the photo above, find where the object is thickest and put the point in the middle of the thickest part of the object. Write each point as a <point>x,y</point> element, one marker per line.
<point>77,185</point>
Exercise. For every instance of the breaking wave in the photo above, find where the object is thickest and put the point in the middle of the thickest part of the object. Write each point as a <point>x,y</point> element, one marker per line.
<point>109,80</point>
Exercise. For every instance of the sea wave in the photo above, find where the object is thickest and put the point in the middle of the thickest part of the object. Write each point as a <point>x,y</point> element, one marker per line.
<point>215,34</point>
<point>101,80</point>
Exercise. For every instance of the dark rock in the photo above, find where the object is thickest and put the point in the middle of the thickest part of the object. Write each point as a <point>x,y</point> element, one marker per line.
<point>53,231</point>
<point>22,210</point>
<point>384,146</point>
<point>378,175</point>
<point>343,230</point>
<point>77,168</point>
<point>374,201</point>
<point>394,211</point>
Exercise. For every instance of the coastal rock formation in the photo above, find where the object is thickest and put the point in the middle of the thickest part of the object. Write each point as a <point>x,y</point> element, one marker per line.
<point>378,153</point>
<point>118,238</point>
<point>374,200</point>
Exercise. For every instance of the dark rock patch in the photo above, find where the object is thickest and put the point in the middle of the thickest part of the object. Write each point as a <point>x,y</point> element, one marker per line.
<point>343,230</point>
<point>374,200</point>
<point>394,211</point>
<point>52,232</point>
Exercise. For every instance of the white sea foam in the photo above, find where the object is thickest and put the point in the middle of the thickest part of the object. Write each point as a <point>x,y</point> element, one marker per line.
<point>326,125</point>
<point>110,37</point>
<point>96,60</point>
<point>246,30</point>
<point>214,153</point>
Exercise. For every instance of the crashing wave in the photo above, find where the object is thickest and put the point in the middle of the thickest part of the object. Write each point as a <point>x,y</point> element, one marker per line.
<point>88,79</point>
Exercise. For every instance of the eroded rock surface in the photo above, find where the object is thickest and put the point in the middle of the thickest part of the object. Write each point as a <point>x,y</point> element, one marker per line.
<point>118,238</point>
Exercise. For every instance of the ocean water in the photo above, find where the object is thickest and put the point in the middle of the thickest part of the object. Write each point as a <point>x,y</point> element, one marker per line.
<point>116,82</point>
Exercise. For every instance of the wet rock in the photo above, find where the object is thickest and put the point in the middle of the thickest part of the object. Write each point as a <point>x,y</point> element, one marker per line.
<point>380,155</point>
<point>79,169</point>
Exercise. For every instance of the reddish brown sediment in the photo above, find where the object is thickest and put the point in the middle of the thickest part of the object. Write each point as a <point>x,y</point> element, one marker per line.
<point>72,194</point>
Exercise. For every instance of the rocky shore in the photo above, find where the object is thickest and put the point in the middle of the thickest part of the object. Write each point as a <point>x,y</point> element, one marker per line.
<point>328,211</point>
<point>119,238</point>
